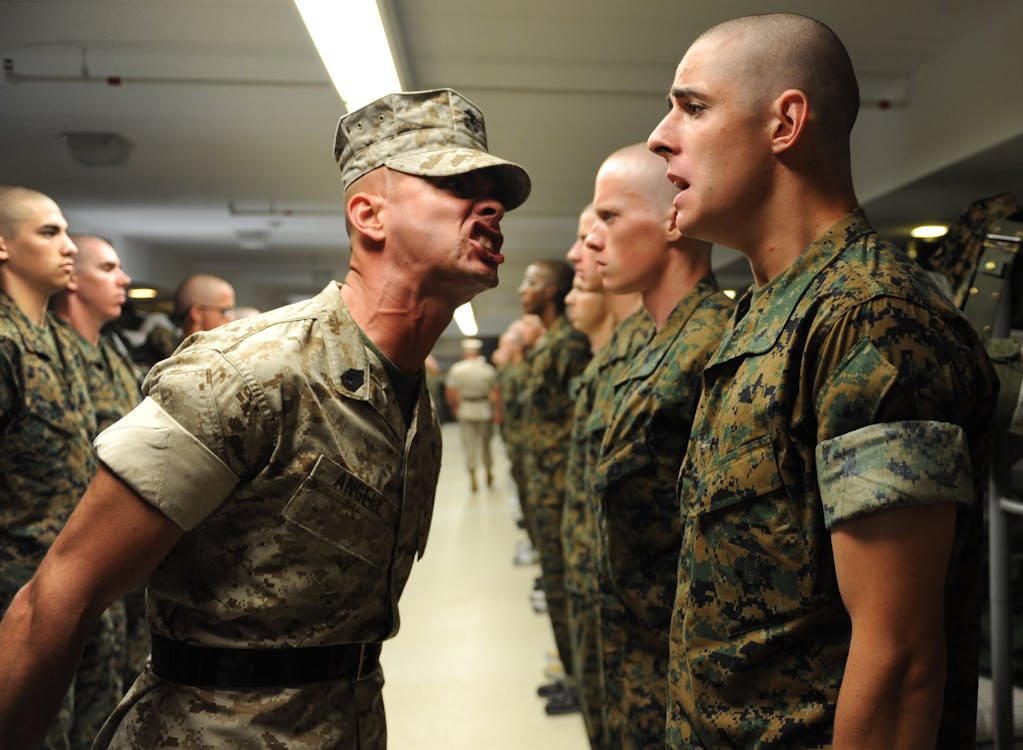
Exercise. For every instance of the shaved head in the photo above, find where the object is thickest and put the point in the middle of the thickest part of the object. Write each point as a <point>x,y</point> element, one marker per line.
<point>775,52</point>
<point>644,176</point>
<point>88,245</point>
<point>13,201</point>
<point>200,289</point>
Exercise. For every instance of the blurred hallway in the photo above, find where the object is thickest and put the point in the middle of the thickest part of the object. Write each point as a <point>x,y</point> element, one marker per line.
<point>463,670</point>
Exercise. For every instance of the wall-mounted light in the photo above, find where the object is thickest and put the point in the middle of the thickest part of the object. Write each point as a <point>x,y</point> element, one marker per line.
<point>929,231</point>
<point>142,292</point>
<point>353,45</point>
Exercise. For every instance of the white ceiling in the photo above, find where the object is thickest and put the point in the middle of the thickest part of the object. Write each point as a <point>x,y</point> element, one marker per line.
<point>232,117</point>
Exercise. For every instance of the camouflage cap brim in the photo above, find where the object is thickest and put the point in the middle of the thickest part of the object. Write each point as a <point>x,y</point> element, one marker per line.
<point>513,181</point>
<point>436,133</point>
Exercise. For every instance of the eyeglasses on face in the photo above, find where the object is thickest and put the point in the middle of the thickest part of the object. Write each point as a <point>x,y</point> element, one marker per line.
<point>227,312</point>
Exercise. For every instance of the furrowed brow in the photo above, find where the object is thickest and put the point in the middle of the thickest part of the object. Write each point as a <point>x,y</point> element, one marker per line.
<point>682,93</point>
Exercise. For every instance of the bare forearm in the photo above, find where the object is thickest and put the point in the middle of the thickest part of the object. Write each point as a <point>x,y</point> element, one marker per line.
<point>41,650</point>
<point>890,697</point>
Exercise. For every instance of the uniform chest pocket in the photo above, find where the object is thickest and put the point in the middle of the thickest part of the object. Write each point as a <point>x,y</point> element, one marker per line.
<point>53,405</point>
<point>753,545</point>
<point>340,509</point>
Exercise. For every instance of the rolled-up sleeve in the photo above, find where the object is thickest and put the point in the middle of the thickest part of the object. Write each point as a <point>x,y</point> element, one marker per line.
<point>892,464</point>
<point>165,464</point>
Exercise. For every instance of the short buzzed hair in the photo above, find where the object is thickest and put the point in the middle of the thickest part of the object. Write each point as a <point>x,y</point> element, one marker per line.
<point>787,50</point>
<point>82,242</point>
<point>194,291</point>
<point>646,175</point>
<point>12,203</point>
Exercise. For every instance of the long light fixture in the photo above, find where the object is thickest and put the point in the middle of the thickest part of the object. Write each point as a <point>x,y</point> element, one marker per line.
<point>353,45</point>
<point>465,319</point>
<point>929,231</point>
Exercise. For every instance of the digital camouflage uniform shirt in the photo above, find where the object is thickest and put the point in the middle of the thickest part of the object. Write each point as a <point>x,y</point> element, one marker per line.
<point>637,510</point>
<point>593,391</point>
<point>846,385</point>
<point>103,670</point>
<point>47,423</point>
<point>555,361</point>
<point>278,445</point>
<point>119,646</point>
<point>111,379</point>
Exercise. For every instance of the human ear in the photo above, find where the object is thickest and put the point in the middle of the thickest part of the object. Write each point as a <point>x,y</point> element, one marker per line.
<point>194,313</point>
<point>365,213</point>
<point>791,112</point>
<point>674,233</point>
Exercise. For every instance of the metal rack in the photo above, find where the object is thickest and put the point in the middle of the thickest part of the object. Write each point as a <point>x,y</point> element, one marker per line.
<point>989,308</point>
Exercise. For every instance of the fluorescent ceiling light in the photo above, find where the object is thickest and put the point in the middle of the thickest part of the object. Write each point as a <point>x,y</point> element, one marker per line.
<point>352,43</point>
<point>142,293</point>
<point>466,320</point>
<point>929,231</point>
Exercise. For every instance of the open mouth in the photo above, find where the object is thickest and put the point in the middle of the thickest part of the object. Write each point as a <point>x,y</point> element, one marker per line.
<point>678,182</point>
<point>489,241</point>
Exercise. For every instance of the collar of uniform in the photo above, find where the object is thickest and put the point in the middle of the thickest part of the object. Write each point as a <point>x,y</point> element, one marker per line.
<point>650,359</point>
<point>763,312</point>
<point>33,337</point>
<point>557,329</point>
<point>630,337</point>
<point>347,358</point>
<point>90,352</point>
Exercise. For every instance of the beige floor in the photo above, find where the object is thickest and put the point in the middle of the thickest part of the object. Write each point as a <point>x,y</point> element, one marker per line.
<point>463,670</point>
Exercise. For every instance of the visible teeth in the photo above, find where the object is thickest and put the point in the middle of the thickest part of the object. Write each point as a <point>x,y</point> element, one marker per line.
<point>486,242</point>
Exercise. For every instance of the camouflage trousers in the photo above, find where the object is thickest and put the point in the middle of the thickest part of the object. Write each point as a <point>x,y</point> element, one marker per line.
<point>587,668</point>
<point>516,459</point>
<point>330,715</point>
<point>635,667</point>
<point>546,512</point>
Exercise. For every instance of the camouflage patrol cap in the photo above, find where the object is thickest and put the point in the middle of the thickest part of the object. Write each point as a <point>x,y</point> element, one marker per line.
<point>436,133</point>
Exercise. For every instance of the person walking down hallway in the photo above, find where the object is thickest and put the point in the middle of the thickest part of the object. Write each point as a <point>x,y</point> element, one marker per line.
<point>472,394</point>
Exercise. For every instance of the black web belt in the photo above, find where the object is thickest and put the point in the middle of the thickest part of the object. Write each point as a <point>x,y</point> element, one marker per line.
<point>208,666</point>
